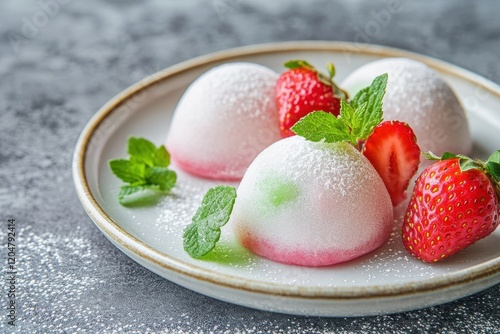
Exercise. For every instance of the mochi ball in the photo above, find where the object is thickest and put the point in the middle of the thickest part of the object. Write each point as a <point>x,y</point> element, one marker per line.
<point>419,96</point>
<point>225,118</point>
<point>311,204</point>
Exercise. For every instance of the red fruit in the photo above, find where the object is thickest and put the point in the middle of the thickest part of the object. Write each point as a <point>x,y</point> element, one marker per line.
<point>393,151</point>
<point>302,90</point>
<point>449,210</point>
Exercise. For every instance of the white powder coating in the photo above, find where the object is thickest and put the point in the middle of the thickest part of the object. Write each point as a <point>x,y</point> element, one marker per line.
<point>335,199</point>
<point>418,95</point>
<point>225,118</point>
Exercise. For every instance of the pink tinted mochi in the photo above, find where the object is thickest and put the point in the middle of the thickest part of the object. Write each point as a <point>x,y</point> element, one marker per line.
<point>226,117</point>
<point>311,204</point>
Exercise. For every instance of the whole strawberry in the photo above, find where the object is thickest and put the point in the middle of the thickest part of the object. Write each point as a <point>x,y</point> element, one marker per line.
<point>302,90</point>
<point>454,204</point>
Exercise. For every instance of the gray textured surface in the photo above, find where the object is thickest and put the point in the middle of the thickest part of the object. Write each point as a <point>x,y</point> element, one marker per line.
<point>71,278</point>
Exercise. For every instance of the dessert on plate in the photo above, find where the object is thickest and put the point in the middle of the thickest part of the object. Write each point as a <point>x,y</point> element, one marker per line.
<point>325,193</point>
<point>312,204</point>
<point>224,119</point>
<point>419,96</point>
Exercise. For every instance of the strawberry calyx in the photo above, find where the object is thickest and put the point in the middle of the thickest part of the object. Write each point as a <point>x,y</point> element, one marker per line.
<point>323,78</point>
<point>490,167</point>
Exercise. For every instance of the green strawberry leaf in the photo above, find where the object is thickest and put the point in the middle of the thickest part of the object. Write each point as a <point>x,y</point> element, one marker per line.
<point>495,157</point>
<point>291,64</point>
<point>201,236</point>
<point>331,70</point>
<point>448,155</point>
<point>431,156</point>
<point>445,156</point>
<point>493,169</point>
<point>467,163</point>
<point>493,165</point>
<point>320,125</point>
<point>128,171</point>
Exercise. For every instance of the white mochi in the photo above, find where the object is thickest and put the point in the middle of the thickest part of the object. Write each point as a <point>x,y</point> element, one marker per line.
<point>312,204</point>
<point>419,96</point>
<point>224,119</point>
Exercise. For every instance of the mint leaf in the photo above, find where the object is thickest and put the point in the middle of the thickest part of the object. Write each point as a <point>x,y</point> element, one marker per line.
<point>128,171</point>
<point>348,114</point>
<point>202,234</point>
<point>320,125</point>
<point>162,177</point>
<point>126,191</point>
<point>356,121</point>
<point>361,126</point>
<point>146,172</point>
<point>367,121</point>
<point>142,150</point>
<point>132,196</point>
<point>495,157</point>
<point>161,157</point>
<point>373,95</point>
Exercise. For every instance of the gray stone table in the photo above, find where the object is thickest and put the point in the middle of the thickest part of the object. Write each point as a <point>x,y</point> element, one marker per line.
<point>60,60</point>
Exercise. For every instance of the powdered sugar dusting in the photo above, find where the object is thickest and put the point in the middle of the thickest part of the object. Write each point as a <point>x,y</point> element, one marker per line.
<point>419,96</point>
<point>177,209</point>
<point>44,290</point>
<point>311,160</point>
<point>312,198</point>
<point>225,118</point>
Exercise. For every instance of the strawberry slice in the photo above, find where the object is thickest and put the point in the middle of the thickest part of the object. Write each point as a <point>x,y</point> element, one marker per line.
<point>393,151</point>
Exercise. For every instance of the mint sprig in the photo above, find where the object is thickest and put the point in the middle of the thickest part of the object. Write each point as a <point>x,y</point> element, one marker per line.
<point>203,233</point>
<point>320,125</point>
<point>128,171</point>
<point>145,172</point>
<point>355,122</point>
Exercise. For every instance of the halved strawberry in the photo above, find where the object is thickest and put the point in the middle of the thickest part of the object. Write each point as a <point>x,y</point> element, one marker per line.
<point>393,151</point>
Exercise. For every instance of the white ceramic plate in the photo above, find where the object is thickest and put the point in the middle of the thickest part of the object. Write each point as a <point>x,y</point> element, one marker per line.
<point>387,280</point>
